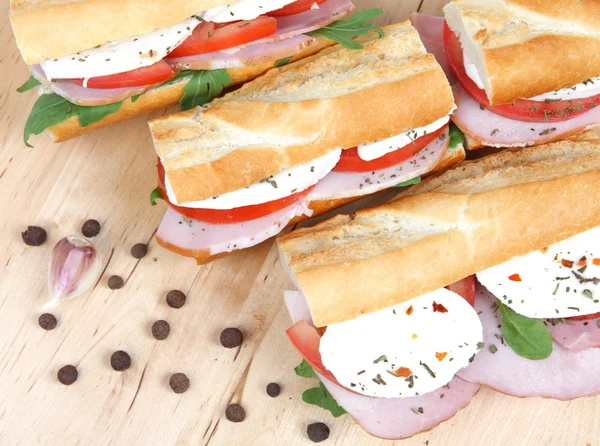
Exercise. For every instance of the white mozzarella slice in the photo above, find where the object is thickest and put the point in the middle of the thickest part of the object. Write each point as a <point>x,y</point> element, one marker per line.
<point>377,149</point>
<point>550,286</point>
<point>356,184</point>
<point>287,182</point>
<point>243,10</point>
<point>425,347</point>
<point>585,89</point>
<point>122,55</point>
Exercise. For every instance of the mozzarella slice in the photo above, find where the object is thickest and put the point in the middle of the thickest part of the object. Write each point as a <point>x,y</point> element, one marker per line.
<point>287,182</point>
<point>121,55</point>
<point>405,350</point>
<point>377,149</point>
<point>585,89</point>
<point>548,285</point>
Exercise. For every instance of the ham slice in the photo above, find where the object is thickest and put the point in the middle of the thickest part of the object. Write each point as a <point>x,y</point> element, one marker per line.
<point>564,375</point>
<point>351,184</point>
<point>191,237</point>
<point>497,131</point>
<point>79,95</point>
<point>392,418</point>
<point>576,335</point>
<point>245,56</point>
<point>304,22</point>
<point>431,31</point>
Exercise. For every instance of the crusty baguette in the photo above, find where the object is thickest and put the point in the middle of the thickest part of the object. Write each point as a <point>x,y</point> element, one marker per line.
<point>452,156</point>
<point>162,97</point>
<point>299,112</point>
<point>48,29</point>
<point>589,135</point>
<point>470,218</point>
<point>523,48</point>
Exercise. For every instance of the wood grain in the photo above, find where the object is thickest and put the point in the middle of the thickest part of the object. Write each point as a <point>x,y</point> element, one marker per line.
<point>108,175</point>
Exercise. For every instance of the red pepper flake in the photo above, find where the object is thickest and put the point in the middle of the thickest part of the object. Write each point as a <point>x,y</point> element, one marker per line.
<point>439,308</point>
<point>582,261</point>
<point>515,278</point>
<point>596,262</point>
<point>410,310</point>
<point>544,250</point>
<point>440,356</point>
<point>403,372</point>
<point>567,263</point>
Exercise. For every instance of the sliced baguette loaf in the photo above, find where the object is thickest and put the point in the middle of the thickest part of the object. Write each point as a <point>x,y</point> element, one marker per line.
<point>523,48</point>
<point>450,226</point>
<point>297,113</point>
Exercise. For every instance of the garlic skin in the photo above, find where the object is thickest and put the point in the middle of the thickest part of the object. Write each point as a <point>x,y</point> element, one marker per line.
<point>75,266</point>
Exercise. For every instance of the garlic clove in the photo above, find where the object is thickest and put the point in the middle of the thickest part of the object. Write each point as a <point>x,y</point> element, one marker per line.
<point>75,266</point>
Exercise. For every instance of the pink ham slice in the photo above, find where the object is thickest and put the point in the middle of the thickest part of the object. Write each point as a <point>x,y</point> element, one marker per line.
<point>326,13</point>
<point>248,55</point>
<point>564,375</point>
<point>351,184</point>
<point>576,336</point>
<point>431,31</point>
<point>187,235</point>
<point>497,131</point>
<point>79,95</point>
<point>392,418</point>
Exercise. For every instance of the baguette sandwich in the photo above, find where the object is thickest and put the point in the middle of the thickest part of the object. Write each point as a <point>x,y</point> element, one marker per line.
<point>301,140</point>
<point>528,71</point>
<point>487,273</point>
<point>126,58</point>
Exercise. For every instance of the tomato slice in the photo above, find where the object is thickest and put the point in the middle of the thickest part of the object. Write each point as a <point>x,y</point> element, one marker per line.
<point>351,162</point>
<point>153,74</point>
<point>209,36</point>
<point>521,109</point>
<point>465,288</point>
<point>587,317</point>
<point>295,8</point>
<point>235,215</point>
<point>306,339</point>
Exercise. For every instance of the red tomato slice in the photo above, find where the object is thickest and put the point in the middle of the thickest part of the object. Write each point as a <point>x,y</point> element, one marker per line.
<point>295,8</point>
<point>465,288</point>
<point>209,36</point>
<point>226,216</point>
<point>521,109</point>
<point>351,162</point>
<point>153,74</point>
<point>306,339</point>
<point>587,317</point>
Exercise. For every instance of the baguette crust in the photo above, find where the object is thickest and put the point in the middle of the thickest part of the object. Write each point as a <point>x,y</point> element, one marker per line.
<point>42,28</point>
<point>162,97</point>
<point>519,45</point>
<point>319,207</point>
<point>297,113</point>
<point>472,217</point>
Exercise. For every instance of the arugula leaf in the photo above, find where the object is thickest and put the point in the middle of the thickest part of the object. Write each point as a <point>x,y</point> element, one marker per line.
<point>204,86</point>
<point>320,396</point>
<point>305,370</point>
<point>415,180</point>
<point>343,31</point>
<point>155,195</point>
<point>30,83</point>
<point>284,61</point>
<point>529,338</point>
<point>456,136</point>
<point>52,109</point>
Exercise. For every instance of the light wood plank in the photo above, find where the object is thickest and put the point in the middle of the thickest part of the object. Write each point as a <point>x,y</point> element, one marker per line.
<point>108,175</point>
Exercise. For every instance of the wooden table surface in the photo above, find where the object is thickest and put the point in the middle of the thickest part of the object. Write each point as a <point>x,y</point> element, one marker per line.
<point>108,175</point>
